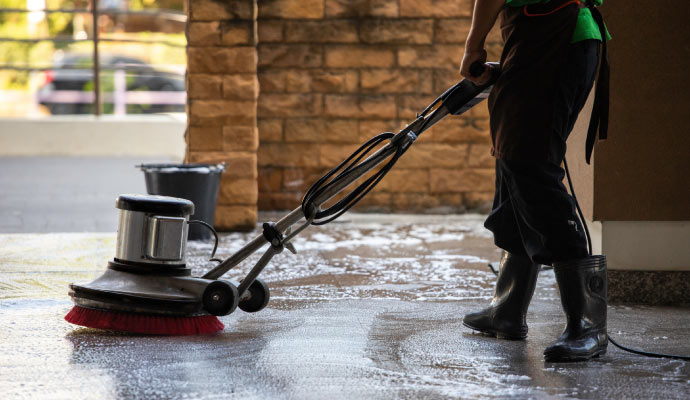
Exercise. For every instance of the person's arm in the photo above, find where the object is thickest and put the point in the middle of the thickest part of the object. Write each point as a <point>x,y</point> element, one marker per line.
<point>483,19</point>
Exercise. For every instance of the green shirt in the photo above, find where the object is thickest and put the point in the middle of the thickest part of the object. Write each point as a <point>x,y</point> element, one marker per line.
<point>586,27</point>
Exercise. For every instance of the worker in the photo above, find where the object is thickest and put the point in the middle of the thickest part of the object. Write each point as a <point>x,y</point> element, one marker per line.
<point>549,63</point>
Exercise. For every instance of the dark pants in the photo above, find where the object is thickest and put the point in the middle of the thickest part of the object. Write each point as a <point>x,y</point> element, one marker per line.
<point>533,215</point>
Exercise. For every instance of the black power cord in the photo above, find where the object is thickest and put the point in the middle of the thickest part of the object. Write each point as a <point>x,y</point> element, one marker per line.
<point>628,349</point>
<point>215,235</point>
<point>589,245</point>
<point>342,206</point>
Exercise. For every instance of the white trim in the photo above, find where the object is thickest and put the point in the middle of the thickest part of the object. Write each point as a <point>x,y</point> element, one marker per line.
<point>595,235</point>
<point>646,245</point>
<point>88,135</point>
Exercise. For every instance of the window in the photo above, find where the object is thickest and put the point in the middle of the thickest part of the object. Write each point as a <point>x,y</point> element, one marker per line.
<point>48,49</point>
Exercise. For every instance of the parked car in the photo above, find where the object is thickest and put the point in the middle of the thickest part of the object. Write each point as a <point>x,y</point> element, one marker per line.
<point>68,88</point>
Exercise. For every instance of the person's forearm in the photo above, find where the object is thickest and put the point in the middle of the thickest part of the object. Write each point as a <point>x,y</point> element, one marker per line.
<point>483,19</point>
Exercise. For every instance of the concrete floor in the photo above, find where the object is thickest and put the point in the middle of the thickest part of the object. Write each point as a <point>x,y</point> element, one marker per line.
<point>370,307</point>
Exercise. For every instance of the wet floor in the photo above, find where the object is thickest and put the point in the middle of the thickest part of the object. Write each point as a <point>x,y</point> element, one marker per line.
<point>370,307</point>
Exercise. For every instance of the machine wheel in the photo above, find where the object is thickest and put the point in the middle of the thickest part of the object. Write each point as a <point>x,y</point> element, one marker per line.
<point>258,297</point>
<point>220,298</point>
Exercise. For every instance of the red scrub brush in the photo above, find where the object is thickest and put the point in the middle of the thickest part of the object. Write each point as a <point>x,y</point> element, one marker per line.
<point>143,323</point>
<point>147,288</point>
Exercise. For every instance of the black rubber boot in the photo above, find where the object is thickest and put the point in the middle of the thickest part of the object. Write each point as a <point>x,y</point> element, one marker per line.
<point>505,316</point>
<point>582,284</point>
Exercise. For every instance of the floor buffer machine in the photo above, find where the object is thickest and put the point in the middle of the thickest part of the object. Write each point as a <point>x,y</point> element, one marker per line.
<point>147,288</point>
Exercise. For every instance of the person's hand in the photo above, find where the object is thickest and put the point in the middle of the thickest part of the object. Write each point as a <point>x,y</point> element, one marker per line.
<point>468,59</point>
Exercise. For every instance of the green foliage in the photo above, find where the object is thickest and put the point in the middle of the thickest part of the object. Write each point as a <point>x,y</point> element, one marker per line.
<point>176,5</point>
<point>40,54</point>
<point>10,4</point>
<point>27,54</point>
<point>11,24</point>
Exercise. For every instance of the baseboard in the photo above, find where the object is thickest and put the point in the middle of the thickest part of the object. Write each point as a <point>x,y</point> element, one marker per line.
<point>670,288</point>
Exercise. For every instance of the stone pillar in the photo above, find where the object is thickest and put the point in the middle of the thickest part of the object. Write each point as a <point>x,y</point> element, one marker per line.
<point>222,89</point>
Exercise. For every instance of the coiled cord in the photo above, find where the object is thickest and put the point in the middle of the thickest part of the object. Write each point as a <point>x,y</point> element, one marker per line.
<point>342,170</point>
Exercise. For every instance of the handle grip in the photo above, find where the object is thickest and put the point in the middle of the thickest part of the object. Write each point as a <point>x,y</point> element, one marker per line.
<point>477,69</point>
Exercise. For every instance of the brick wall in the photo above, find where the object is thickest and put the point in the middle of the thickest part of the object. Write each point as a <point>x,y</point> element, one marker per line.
<point>334,73</point>
<point>222,96</point>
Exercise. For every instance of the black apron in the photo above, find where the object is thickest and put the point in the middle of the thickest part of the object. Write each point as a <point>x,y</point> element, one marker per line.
<point>521,104</point>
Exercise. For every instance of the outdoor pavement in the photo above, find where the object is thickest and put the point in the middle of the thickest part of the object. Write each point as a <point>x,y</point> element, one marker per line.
<point>65,194</point>
<point>370,307</point>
